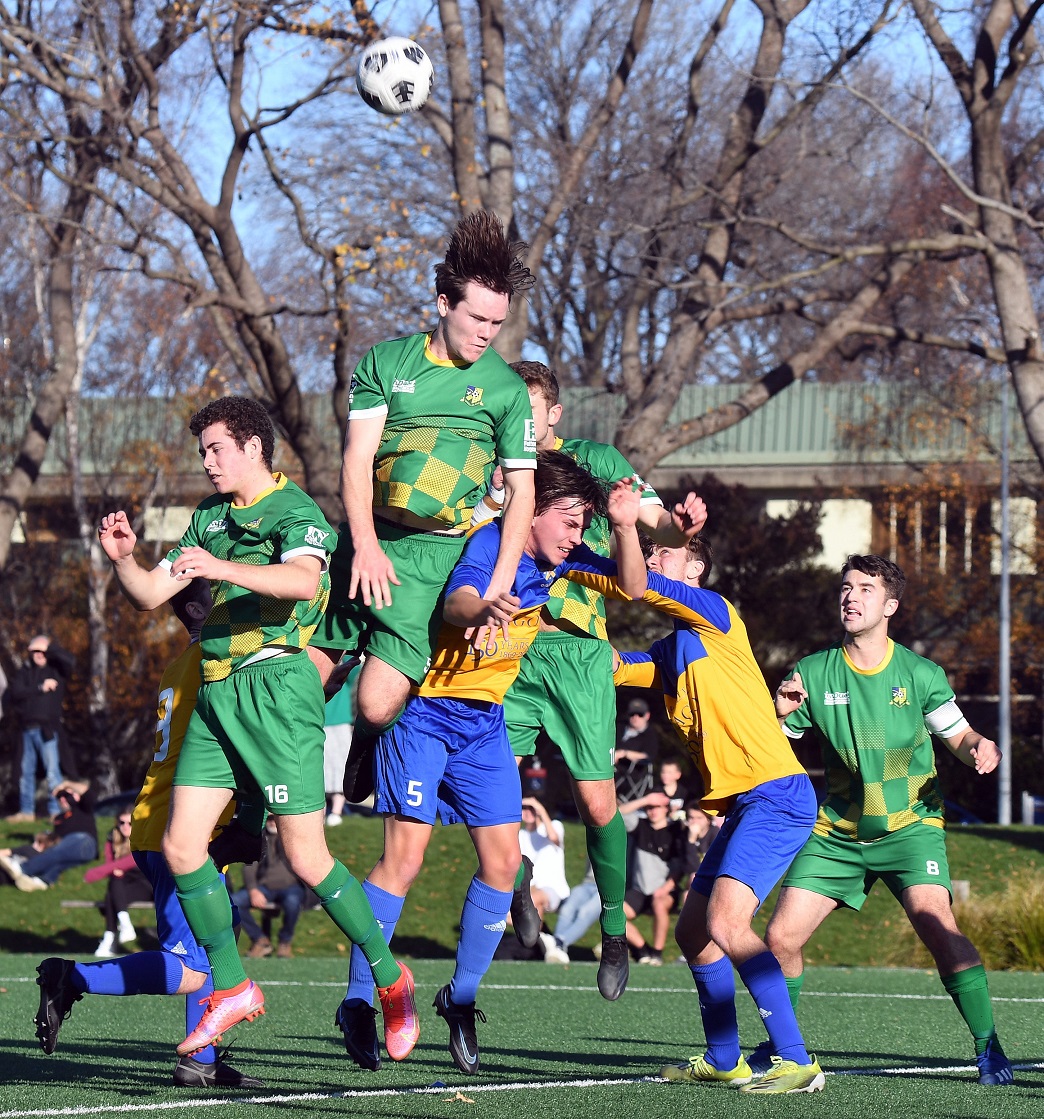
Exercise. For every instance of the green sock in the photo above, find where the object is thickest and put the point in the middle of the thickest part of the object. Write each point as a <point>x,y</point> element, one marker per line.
<point>208,912</point>
<point>607,850</point>
<point>349,908</point>
<point>970,992</point>
<point>794,985</point>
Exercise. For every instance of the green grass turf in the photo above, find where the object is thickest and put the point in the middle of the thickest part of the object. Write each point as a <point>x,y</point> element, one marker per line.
<point>36,924</point>
<point>547,1029</point>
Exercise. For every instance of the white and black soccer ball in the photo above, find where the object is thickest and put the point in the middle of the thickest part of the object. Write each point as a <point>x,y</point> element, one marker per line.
<point>395,76</point>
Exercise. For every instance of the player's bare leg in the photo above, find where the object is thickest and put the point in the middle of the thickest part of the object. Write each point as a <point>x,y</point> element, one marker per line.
<point>383,692</point>
<point>797,915</point>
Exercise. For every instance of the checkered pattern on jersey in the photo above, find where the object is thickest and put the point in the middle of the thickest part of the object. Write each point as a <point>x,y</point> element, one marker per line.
<point>433,472</point>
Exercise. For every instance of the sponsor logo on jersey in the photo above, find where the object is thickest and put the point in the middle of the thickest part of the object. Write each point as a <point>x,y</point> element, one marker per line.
<point>472,397</point>
<point>315,536</point>
<point>899,698</point>
<point>399,385</point>
<point>254,524</point>
<point>835,699</point>
<point>351,391</point>
<point>529,438</point>
<point>220,525</point>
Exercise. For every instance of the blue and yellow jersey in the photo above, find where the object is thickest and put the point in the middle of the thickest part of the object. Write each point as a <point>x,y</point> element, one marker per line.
<point>712,687</point>
<point>459,671</point>
<point>178,689</point>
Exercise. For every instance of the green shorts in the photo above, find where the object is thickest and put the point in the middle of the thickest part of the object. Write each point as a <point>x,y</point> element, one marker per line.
<point>402,634</point>
<point>565,686</point>
<point>260,730</point>
<point>846,870</point>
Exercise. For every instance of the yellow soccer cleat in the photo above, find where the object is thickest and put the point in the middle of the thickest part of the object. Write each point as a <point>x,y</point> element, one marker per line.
<point>698,1070</point>
<point>789,1078</point>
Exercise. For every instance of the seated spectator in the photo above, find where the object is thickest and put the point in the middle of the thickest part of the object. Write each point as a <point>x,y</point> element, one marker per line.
<point>673,784</point>
<point>75,837</point>
<point>636,747</point>
<point>699,835</point>
<point>657,870</point>
<point>542,840</point>
<point>41,841</point>
<point>266,884</point>
<point>126,884</point>
<point>576,915</point>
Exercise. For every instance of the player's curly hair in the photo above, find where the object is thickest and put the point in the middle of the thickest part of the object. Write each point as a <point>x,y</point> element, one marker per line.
<point>244,418</point>
<point>892,576</point>
<point>479,252</point>
<point>539,378</point>
<point>560,478</point>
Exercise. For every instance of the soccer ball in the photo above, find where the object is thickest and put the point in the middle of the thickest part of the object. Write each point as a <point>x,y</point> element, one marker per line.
<point>395,76</point>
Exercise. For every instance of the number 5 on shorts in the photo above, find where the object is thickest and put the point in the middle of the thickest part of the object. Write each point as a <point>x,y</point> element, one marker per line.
<point>414,794</point>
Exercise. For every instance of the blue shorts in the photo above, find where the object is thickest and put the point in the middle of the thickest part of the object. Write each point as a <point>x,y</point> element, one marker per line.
<point>172,929</point>
<point>451,757</point>
<point>763,831</point>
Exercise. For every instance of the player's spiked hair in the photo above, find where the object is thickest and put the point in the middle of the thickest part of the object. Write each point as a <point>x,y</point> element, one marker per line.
<point>479,252</point>
<point>244,419</point>
<point>560,478</point>
<point>893,579</point>
<point>538,378</point>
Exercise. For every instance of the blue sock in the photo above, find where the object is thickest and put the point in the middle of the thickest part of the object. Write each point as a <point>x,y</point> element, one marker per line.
<point>387,908</point>
<point>482,921</point>
<point>717,990</point>
<point>195,1004</point>
<point>142,973</point>
<point>763,977</point>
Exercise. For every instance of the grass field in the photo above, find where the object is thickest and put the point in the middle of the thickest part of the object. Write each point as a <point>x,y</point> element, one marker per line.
<point>890,1040</point>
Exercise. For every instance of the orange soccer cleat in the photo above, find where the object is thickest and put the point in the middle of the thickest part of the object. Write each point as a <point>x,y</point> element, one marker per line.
<point>401,1024</point>
<point>223,1012</point>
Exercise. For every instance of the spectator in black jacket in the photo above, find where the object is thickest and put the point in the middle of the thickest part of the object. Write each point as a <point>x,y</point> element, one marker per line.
<point>37,692</point>
<point>657,870</point>
<point>76,836</point>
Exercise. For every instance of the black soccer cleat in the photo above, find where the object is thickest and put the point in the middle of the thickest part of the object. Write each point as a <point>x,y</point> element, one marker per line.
<point>234,844</point>
<point>358,782</point>
<point>524,916</point>
<point>614,967</point>
<point>461,1021</point>
<point>357,1020</point>
<point>190,1073</point>
<point>57,995</point>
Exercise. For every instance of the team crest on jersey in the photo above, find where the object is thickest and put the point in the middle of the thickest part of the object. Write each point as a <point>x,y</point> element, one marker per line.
<point>220,525</point>
<point>399,385</point>
<point>315,536</point>
<point>254,524</point>
<point>472,397</point>
<point>899,698</point>
<point>835,699</point>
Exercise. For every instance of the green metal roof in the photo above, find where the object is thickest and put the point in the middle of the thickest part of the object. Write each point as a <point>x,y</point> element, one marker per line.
<point>806,424</point>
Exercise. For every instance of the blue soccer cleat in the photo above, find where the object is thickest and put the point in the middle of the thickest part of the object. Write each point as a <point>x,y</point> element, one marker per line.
<point>994,1067</point>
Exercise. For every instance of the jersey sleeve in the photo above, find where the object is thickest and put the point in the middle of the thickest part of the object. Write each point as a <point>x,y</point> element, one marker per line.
<point>637,670</point>
<point>475,566</point>
<point>799,721</point>
<point>367,396</point>
<point>514,433</point>
<point>942,715</point>
<point>305,532</point>
<point>701,608</point>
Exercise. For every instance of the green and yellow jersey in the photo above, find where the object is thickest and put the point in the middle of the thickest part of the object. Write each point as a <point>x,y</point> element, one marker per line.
<point>283,523</point>
<point>874,727</point>
<point>446,425</point>
<point>574,606</point>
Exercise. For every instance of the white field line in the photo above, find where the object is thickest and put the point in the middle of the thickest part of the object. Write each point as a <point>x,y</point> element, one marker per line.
<point>448,1092</point>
